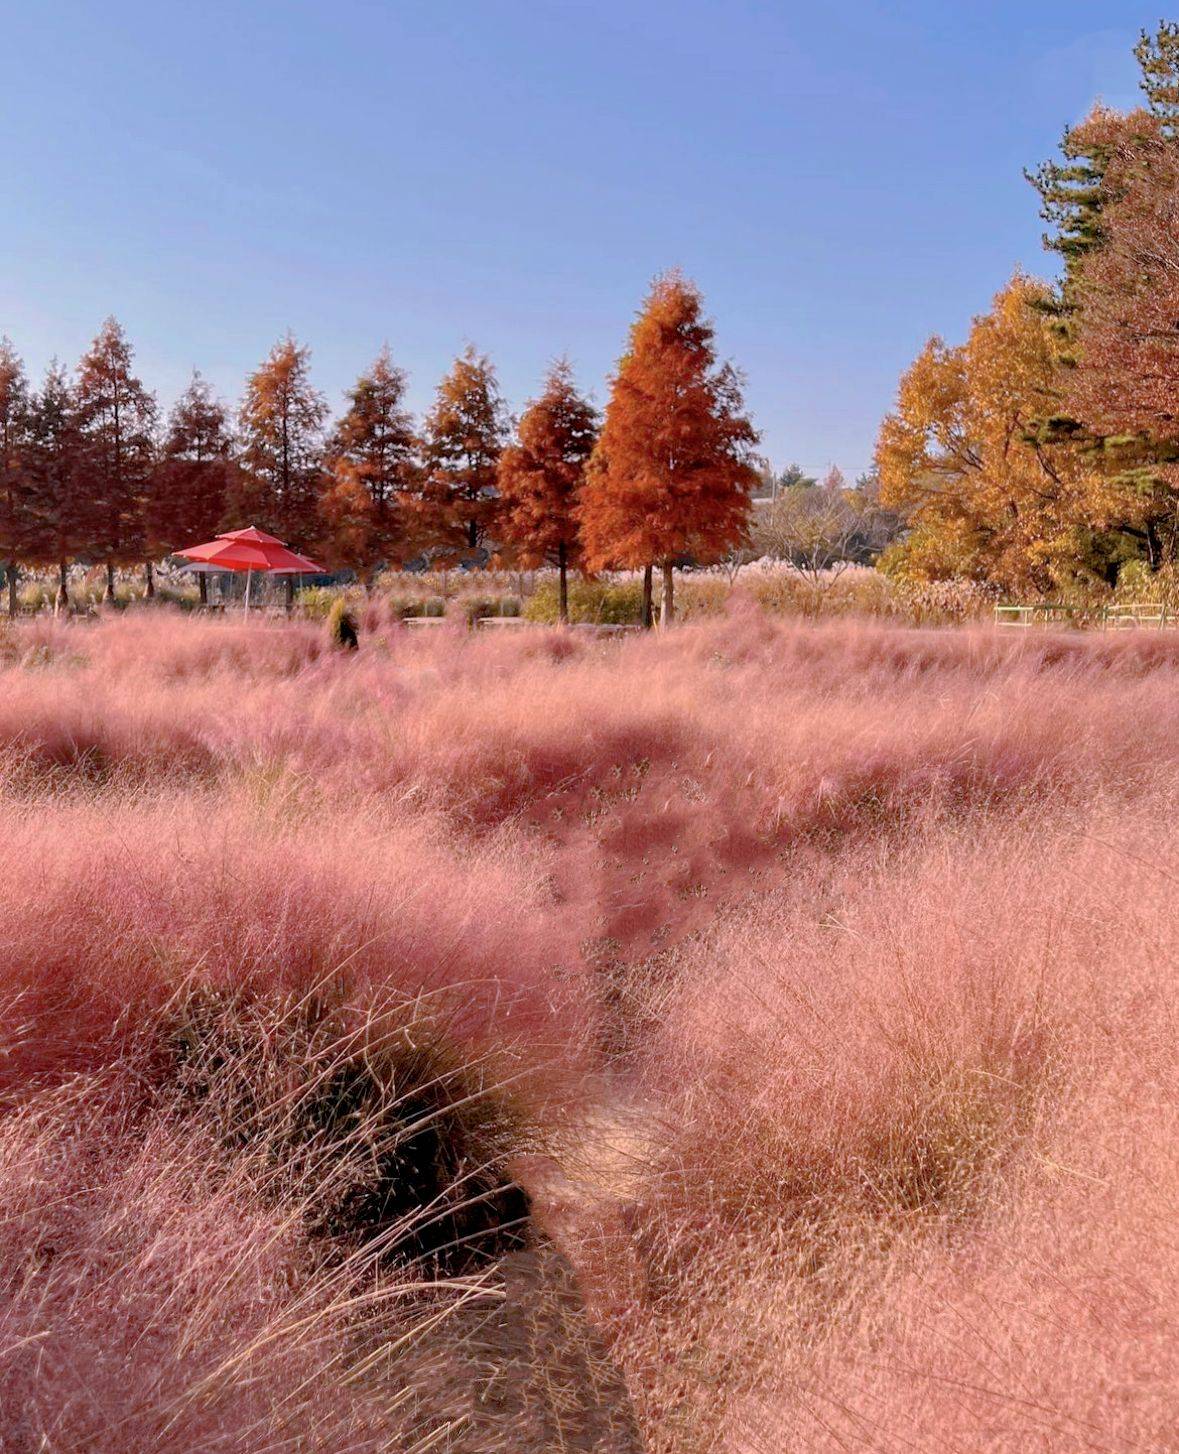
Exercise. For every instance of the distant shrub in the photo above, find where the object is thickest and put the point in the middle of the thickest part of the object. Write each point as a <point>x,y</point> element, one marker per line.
<point>184,597</point>
<point>943,603</point>
<point>1138,584</point>
<point>425,606</point>
<point>609,603</point>
<point>702,595</point>
<point>475,608</point>
<point>343,632</point>
<point>34,596</point>
<point>317,602</point>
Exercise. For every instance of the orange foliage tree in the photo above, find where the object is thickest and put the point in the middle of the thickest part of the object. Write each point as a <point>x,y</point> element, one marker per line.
<point>464,435</point>
<point>194,476</point>
<point>541,476</point>
<point>370,510</point>
<point>964,458</point>
<point>117,420</point>
<point>281,425</point>
<point>671,477</point>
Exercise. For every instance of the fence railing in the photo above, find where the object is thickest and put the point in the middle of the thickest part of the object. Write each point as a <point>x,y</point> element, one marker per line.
<point>1140,614</point>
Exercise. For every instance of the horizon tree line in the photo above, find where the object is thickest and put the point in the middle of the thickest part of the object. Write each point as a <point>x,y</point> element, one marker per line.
<point>89,470</point>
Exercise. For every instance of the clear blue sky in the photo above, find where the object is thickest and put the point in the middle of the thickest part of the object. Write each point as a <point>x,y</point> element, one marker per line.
<point>841,179</point>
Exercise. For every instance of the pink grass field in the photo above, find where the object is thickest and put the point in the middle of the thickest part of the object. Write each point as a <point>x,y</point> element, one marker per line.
<point>815,982</point>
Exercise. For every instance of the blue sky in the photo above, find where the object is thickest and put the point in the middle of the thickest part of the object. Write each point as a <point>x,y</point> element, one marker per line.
<point>841,180</point>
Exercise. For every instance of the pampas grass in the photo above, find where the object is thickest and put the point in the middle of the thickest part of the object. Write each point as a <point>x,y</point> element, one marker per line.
<point>753,1036</point>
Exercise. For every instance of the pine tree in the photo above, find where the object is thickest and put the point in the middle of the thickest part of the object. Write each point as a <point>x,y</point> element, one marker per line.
<point>370,510</point>
<point>17,522</point>
<point>1158,58</point>
<point>117,418</point>
<point>1074,194</point>
<point>464,435</point>
<point>672,476</point>
<point>1125,381</point>
<point>194,475</point>
<point>541,476</point>
<point>54,447</point>
<point>794,477</point>
<point>281,430</point>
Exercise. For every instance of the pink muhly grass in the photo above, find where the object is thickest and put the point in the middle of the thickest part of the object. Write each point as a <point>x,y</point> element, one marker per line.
<point>116,907</point>
<point>152,1298</point>
<point>837,959</point>
<point>911,1179</point>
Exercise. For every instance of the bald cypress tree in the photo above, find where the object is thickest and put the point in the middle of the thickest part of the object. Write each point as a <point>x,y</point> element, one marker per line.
<point>194,475</point>
<point>671,476</point>
<point>116,419</point>
<point>369,511</point>
<point>463,437</point>
<point>541,477</point>
<point>55,481</point>
<point>281,425</point>
<point>17,520</point>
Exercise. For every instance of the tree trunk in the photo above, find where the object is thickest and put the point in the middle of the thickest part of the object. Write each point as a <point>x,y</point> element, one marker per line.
<point>203,587</point>
<point>109,594</point>
<point>647,613</point>
<point>667,603</point>
<point>289,582</point>
<point>13,577</point>
<point>149,581</point>
<point>62,599</point>
<point>563,589</point>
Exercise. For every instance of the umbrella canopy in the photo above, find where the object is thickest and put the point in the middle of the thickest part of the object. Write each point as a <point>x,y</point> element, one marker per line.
<point>250,550</point>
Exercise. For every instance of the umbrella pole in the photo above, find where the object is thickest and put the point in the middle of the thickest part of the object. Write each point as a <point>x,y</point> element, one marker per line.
<point>249,578</point>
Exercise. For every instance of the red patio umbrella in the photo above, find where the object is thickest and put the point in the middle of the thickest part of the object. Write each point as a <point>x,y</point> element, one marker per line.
<point>250,550</point>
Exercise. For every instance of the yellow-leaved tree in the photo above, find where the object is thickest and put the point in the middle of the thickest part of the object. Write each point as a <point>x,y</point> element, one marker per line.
<point>988,490</point>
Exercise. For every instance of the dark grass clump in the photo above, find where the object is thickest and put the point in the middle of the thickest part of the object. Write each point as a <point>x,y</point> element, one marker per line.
<point>343,630</point>
<point>373,1126</point>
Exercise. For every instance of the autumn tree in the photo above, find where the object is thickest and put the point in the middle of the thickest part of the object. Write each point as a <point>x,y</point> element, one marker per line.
<point>1074,194</point>
<point>370,509</point>
<point>541,476</point>
<point>962,457</point>
<point>117,420</point>
<point>194,476</point>
<point>54,477</point>
<point>1157,55</point>
<point>1125,386</point>
<point>281,425</point>
<point>671,477</point>
<point>463,437</point>
<point>17,521</point>
<point>1100,158</point>
<point>821,532</point>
